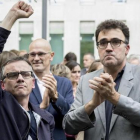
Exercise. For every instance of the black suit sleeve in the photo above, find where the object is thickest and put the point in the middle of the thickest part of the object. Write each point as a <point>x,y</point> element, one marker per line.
<point>3,37</point>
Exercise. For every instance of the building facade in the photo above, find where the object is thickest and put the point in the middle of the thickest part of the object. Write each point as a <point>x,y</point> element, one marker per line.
<point>71,24</point>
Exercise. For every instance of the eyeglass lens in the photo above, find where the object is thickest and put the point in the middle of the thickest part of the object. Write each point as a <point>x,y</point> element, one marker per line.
<point>14,75</point>
<point>114,42</point>
<point>40,54</point>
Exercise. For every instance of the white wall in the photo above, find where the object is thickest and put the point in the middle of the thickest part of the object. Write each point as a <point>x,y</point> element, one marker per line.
<point>71,12</point>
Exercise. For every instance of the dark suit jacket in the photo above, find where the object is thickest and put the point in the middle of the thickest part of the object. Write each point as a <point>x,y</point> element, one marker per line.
<point>14,123</point>
<point>3,37</point>
<point>62,105</point>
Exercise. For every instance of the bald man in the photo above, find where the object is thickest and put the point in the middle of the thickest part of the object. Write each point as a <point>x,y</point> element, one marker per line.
<point>61,94</point>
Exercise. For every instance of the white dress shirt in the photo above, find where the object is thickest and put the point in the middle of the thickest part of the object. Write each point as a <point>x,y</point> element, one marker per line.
<point>40,85</point>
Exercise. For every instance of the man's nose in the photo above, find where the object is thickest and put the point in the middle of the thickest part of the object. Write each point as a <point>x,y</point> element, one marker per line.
<point>36,57</point>
<point>20,78</point>
<point>109,47</point>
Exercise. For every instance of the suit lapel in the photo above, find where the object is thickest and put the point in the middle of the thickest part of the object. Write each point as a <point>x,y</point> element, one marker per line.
<point>124,88</point>
<point>101,107</point>
<point>101,110</point>
<point>36,92</point>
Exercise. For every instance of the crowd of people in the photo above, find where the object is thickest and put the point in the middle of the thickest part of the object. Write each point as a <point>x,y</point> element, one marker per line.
<point>64,101</point>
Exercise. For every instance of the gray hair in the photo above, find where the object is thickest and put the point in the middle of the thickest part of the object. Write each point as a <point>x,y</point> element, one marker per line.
<point>133,57</point>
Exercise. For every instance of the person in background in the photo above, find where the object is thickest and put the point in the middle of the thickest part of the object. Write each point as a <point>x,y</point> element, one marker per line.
<point>22,53</point>
<point>75,77</point>
<point>68,57</point>
<point>16,52</point>
<point>134,59</point>
<point>107,102</point>
<point>61,70</point>
<point>87,61</point>
<point>4,56</point>
<point>96,65</point>
<point>75,74</point>
<point>61,93</point>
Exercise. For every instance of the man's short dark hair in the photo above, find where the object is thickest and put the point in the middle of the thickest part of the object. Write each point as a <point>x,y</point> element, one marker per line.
<point>15,59</point>
<point>113,24</point>
<point>71,56</point>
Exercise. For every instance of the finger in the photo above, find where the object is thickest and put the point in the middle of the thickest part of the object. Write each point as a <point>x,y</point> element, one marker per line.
<point>96,88</point>
<point>95,85</point>
<point>21,3</point>
<point>94,82</point>
<point>30,11</point>
<point>49,76</point>
<point>26,9</point>
<point>49,80</point>
<point>107,77</point>
<point>47,84</point>
<point>24,6</point>
<point>100,80</point>
<point>114,84</point>
<point>50,88</point>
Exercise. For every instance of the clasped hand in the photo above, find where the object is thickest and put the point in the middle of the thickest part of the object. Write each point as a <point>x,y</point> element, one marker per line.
<point>104,87</point>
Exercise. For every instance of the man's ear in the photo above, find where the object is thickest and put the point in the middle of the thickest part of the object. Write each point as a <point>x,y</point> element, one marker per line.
<point>2,85</point>
<point>52,55</point>
<point>127,49</point>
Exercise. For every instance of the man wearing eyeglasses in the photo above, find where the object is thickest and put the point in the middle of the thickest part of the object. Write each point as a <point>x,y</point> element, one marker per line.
<point>24,120</point>
<point>107,102</point>
<point>19,119</point>
<point>61,94</point>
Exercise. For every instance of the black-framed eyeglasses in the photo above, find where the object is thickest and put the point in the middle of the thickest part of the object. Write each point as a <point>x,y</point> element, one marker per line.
<point>115,42</point>
<point>15,75</point>
<point>40,54</point>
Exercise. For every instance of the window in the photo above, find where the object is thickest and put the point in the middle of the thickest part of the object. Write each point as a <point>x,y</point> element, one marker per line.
<point>56,30</point>
<point>86,43</point>
<point>25,34</point>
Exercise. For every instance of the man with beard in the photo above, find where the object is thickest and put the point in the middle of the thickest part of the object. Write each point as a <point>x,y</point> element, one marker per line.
<point>107,102</point>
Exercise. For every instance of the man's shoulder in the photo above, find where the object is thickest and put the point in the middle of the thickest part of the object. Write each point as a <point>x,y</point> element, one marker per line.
<point>83,71</point>
<point>92,74</point>
<point>135,69</point>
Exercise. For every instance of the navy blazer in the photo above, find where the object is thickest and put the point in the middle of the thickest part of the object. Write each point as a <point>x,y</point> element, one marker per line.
<point>62,105</point>
<point>14,123</point>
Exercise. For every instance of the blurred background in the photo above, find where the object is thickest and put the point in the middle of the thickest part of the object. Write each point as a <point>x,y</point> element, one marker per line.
<point>70,25</point>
